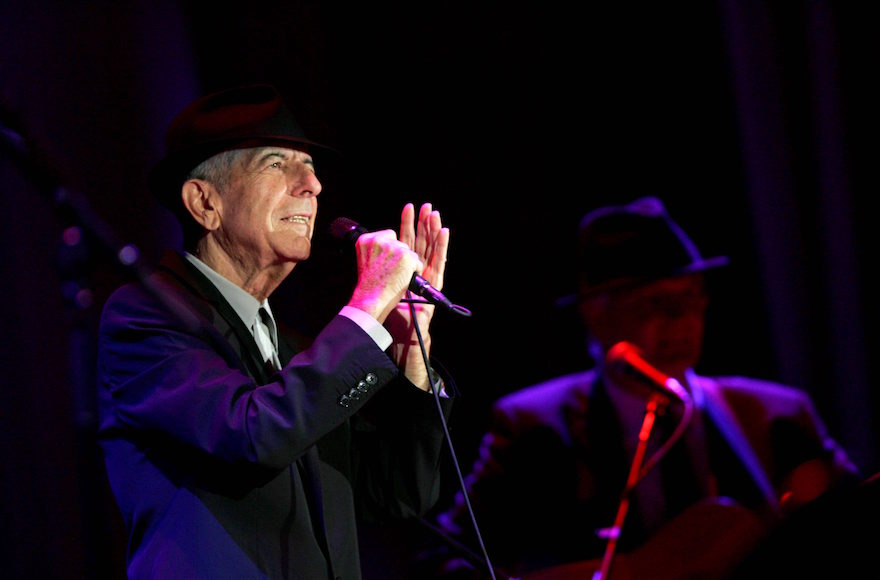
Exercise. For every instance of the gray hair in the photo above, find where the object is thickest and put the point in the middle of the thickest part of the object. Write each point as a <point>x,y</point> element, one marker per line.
<point>216,169</point>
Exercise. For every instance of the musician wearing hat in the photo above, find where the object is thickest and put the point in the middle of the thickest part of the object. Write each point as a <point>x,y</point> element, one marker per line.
<point>702,466</point>
<point>235,448</point>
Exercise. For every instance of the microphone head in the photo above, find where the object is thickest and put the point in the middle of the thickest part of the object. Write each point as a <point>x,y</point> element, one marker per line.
<point>346,229</point>
<point>624,361</point>
<point>627,359</point>
<point>621,352</point>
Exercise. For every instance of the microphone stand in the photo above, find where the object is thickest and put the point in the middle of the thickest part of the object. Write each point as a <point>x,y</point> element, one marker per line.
<point>656,405</point>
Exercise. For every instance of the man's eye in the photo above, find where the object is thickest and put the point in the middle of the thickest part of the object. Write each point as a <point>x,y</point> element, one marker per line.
<point>275,165</point>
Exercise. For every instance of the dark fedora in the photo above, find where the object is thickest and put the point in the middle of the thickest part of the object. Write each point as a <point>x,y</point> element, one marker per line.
<point>235,118</point>
<point>628,245</point>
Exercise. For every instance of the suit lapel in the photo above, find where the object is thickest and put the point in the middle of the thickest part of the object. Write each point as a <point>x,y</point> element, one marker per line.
<point>224,318</point>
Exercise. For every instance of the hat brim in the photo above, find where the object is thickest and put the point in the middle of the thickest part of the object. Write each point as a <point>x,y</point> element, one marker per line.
<point>620,283</point>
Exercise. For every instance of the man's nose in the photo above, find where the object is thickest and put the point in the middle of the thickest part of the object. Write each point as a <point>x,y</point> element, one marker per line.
<point>308,185</point>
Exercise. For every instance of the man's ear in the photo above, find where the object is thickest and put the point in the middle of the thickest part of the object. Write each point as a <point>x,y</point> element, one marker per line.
<point>200,199</point>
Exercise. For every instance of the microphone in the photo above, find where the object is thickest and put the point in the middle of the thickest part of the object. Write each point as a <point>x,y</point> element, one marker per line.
<point>349,230</point>
<point>626,359</point>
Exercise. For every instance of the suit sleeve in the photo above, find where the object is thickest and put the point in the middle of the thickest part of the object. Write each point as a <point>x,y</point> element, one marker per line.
<point>157,377</point>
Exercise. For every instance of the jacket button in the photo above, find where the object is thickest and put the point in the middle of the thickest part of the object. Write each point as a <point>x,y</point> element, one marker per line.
<point>343,401</point>
<point>363,387</point>
<point>371,379</point>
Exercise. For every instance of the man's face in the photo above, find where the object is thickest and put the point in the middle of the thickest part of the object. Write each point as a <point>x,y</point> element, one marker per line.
<point>268,210</point>
<point>665,318</point>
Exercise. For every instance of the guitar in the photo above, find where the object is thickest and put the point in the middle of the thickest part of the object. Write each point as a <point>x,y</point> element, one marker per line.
<point>706,541</point>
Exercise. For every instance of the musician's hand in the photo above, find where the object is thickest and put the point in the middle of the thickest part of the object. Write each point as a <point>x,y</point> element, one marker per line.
<point>430,241</point>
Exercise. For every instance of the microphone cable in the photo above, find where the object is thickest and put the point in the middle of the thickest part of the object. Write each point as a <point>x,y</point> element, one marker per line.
<point>345,229</point>
<point>436,392</point>
<point>677,433</point>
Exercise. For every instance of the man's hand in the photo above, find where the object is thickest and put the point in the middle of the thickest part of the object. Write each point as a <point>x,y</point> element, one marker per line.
<point>430,242</point>
<point>385,268</point>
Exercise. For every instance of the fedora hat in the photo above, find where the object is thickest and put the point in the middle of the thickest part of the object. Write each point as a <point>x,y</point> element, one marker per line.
<point>628,245</point>
<point>235,118</point>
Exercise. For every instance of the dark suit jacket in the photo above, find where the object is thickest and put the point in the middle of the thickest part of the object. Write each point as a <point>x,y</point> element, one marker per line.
<point>223,468</point>
<point>552,467</point>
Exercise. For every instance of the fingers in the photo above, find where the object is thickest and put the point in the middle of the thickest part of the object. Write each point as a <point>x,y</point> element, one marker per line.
<point>386,262</point>
<point>382,246</point>
<point>407,230</point>
<point>423,232</point>
<point>420,237</point>
<point>428,238</point>
<point>385,268</point>
<point>438,259</point>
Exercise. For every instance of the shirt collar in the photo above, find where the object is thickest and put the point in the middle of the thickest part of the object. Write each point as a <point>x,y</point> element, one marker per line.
<point>245,305</point>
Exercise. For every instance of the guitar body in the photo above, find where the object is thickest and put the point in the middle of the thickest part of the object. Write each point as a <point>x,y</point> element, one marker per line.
<point>705,541</point>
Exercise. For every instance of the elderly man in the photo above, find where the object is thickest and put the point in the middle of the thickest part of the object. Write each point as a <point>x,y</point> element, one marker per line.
<point>234,448</point>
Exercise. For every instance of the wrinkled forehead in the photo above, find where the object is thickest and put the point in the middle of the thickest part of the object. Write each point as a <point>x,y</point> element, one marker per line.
<point>254,155</point>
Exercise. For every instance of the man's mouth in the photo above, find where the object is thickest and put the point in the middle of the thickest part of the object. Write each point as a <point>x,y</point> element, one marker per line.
<point>296,219</point>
